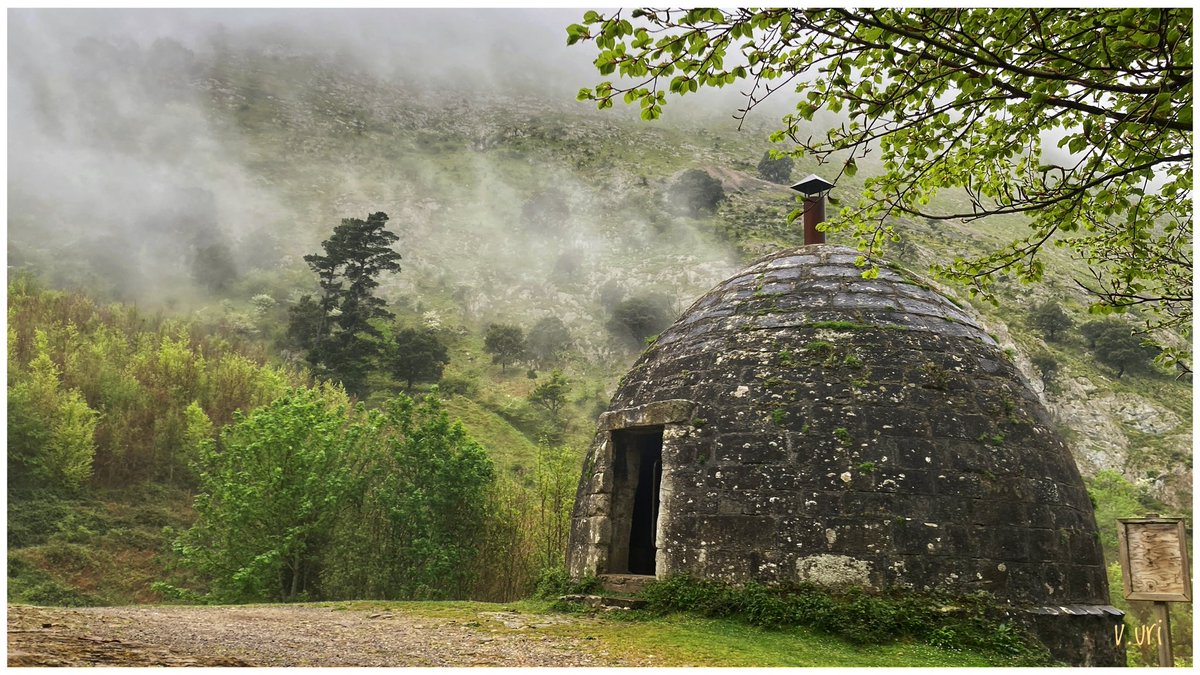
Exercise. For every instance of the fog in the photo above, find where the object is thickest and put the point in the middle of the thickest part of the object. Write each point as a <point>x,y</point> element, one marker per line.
<point>129,176</point>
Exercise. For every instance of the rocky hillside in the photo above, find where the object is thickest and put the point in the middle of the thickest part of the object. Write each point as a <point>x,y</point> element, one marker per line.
<point>511,208</point>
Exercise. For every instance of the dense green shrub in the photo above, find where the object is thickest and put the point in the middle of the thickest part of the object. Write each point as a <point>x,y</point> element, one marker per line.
<point>976,622</point>
<point>696,193</point>
<point>269,494</point>
<point>34,518</point>
<point>459,385</point>
<point>412,521</point>
<point>29,584</point>
<point>101,394</point>
<point>639,317</point>
<point>310,498</point>
<point>776,170</point>
<point>554,582</point>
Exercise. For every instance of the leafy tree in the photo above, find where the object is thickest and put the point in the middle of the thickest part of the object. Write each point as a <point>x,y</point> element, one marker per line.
<point>696,193</point>
<point>213,266</point>
<point>1047,366</point>
<point>1092,330</point>
<point>1118,347</point>
<point>548,339</point>
<point>307,323</point>
<point>962,98</point>
<point>197,434</point>
<point>262,303</point>
<point>776,170</point>
<point>51,429</point>
<point>612,292</point>
<point>552,393</point>
<point>335,328</point>
<point>554,479</point>
<point>639,317</point>
<point>415,525</point>
<point>268,495</point>
<point>416,355</point>
<point>505,342</point>
<point>1050,319</point>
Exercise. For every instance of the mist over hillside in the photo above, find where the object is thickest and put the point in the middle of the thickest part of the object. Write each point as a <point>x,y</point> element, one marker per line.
<point>169,153</point>
<point>190,158</point>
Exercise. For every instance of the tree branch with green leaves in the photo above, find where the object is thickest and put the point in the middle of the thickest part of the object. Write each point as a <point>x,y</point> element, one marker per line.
<point>962,98</point>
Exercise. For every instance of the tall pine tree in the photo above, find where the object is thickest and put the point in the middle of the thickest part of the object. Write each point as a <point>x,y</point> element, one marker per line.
<point>335,328</point>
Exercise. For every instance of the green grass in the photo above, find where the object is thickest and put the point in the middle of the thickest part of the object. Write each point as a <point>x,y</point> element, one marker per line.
<point>101,550</point>
<point>507,447</point>
<point>681,640</point>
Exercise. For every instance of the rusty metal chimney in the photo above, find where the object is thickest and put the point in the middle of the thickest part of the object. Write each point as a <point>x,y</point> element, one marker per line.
<point>814,188</point>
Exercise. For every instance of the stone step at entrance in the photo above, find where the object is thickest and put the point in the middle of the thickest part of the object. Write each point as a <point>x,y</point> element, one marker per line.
<point>627,584</point>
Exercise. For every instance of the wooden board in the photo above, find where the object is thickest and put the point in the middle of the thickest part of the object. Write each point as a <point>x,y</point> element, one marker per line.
<point>1154,559</point>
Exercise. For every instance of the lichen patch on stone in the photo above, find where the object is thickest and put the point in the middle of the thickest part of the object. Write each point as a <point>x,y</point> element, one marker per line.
<point>833,571</point>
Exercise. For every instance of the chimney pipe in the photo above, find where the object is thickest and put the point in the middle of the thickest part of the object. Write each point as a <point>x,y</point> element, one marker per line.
<point>814,189</point>
<point>814,213</point>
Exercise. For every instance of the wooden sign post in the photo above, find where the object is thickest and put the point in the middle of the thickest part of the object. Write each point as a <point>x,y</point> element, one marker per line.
<point>1154,566</point>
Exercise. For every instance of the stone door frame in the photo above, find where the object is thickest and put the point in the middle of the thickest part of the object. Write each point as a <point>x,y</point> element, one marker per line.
<point>675,417</point>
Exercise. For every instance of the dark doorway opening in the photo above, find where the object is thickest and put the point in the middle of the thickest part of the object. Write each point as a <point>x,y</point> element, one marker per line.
<point>637,478</point>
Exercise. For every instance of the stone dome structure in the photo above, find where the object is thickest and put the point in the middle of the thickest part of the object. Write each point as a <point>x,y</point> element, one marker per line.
<point>802,424</point>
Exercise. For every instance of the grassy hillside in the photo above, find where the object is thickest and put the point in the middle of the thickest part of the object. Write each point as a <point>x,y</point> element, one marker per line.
<point>104,548</point>
<point>461,173</point>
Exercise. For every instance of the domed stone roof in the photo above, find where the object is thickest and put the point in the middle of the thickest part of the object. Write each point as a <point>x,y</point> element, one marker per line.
<point>802,424</point>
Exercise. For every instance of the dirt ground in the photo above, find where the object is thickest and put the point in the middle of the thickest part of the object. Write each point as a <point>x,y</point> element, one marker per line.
<point>286,636</point>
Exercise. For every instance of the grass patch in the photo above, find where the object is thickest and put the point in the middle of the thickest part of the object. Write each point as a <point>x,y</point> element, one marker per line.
<point>30,584</point>
<point>103,550</point>
<point>820,348</point>
<point>679,640</point>
<point>554,582</point>
<point>973,623</point>
<point>507,447</point>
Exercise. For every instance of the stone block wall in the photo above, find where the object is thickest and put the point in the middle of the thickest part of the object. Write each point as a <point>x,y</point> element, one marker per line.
<point>825,428</point>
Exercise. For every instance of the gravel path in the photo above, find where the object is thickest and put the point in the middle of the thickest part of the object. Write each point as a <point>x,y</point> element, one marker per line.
<point>287,636</point>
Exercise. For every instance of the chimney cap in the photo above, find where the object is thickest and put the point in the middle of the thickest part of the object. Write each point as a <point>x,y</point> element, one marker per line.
<point>812,185</point>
